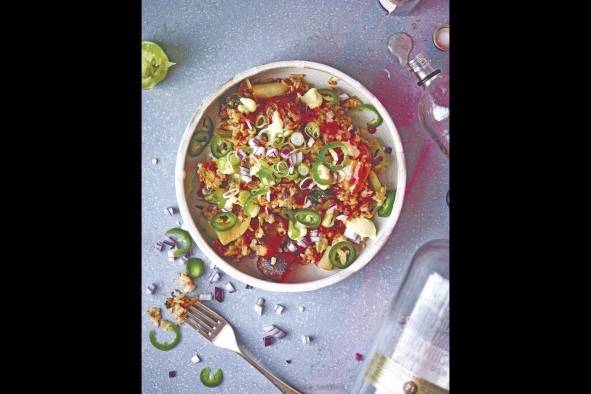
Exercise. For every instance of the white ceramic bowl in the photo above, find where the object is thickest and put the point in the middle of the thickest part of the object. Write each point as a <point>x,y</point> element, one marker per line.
<point>308,277</point>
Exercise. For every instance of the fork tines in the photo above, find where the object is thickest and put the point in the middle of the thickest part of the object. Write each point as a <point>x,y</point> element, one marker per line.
<point>204,320</point>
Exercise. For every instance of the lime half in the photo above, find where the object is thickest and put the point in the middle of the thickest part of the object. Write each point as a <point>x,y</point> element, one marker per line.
<point>155,64</point>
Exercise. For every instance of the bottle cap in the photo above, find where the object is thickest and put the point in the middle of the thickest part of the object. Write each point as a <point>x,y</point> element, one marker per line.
<point>441,38</point>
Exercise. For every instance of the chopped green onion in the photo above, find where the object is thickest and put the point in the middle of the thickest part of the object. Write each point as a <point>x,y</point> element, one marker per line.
<point>312,129</point>
<point>281,169</point>
<point>303,169</point>
<point>261,121</point>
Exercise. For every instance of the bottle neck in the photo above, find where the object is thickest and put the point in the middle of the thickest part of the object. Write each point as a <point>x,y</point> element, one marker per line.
<point>423,70</point>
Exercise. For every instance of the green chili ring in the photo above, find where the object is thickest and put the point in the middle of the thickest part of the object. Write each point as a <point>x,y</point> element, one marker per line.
<point>350,257</point>
<point>220,147</point>
<point>328,162</point>
<point>184,237</point>
<point>378,120</point>
<point>208,124</point>
<point>386,208</point>
<point>308,217</point>
<point>166,345</point>
<point>211,380</point>
<point>329,96</point>
<point>223,221</point>
<point>316,174</point>
<point>199,141</point>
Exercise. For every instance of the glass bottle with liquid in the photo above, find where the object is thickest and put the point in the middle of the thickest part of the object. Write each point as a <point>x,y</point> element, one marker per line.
<point>411,352</point>
<point>434,100</point>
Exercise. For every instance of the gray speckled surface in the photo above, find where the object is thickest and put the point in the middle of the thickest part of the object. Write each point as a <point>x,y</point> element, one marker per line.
<point>212,40</point>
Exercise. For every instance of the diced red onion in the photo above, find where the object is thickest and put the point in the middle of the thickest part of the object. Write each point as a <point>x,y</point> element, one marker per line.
<point>170,210</point>
<point>219,294</point>
<point>307,203</point>
<point>248,124</point>
<point>314,233</point>
<point>241,154</point>
<point>214,276</point>
<point>376,160</point>
<point>306,183</point>
<point>259,151</point>
<point>274,331</point>
<point>268,195</point>
<point>268,340</point>
<point>299,157</point>
<point>302,243</point>
<point>261,301</point>
<point>171,374</point>
<point>358,356</point>
<point>353,236</point>
<point>272,152</point>
<point>343,96</point>
<point>185,258</point>
<point>314,239</point>
<point>290,170</point>
<point>268,329</point>
<point>258,309</point>
<point>292,159</point>
<point>284,153</point>
<point>311,142</point>
<point>253,142</point>
<point>205,297</point>
<point>246,178</point>
<point>334,155</point>
<point>230,287</point>
<point>342,217</point>
<point>159,246</point>
<point>266,210</point>
<point>291,246</point>
<point>279,309</point>
<point>387,150</point>
<point>169,242</point>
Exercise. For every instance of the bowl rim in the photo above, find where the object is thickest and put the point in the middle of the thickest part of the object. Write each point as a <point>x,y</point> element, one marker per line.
<point>369,253</point>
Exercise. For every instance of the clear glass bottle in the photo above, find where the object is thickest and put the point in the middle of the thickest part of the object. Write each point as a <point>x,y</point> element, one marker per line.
<point>434,100</point>
<point>411,352</point>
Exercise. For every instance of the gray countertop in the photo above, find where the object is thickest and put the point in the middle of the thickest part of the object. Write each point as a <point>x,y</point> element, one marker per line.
<point>211,41</point>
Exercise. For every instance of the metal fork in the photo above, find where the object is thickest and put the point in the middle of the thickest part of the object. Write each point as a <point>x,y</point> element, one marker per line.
<point>218,331</point>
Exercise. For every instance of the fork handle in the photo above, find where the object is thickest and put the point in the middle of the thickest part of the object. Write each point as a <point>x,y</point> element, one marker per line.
<point>280,384</point>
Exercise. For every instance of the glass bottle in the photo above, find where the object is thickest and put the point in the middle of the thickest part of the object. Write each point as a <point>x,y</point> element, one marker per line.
<point>411,352</point>
<point>434,100</point>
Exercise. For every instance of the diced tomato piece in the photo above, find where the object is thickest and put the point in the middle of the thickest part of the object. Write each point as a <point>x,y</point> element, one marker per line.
<point>329,128</point>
